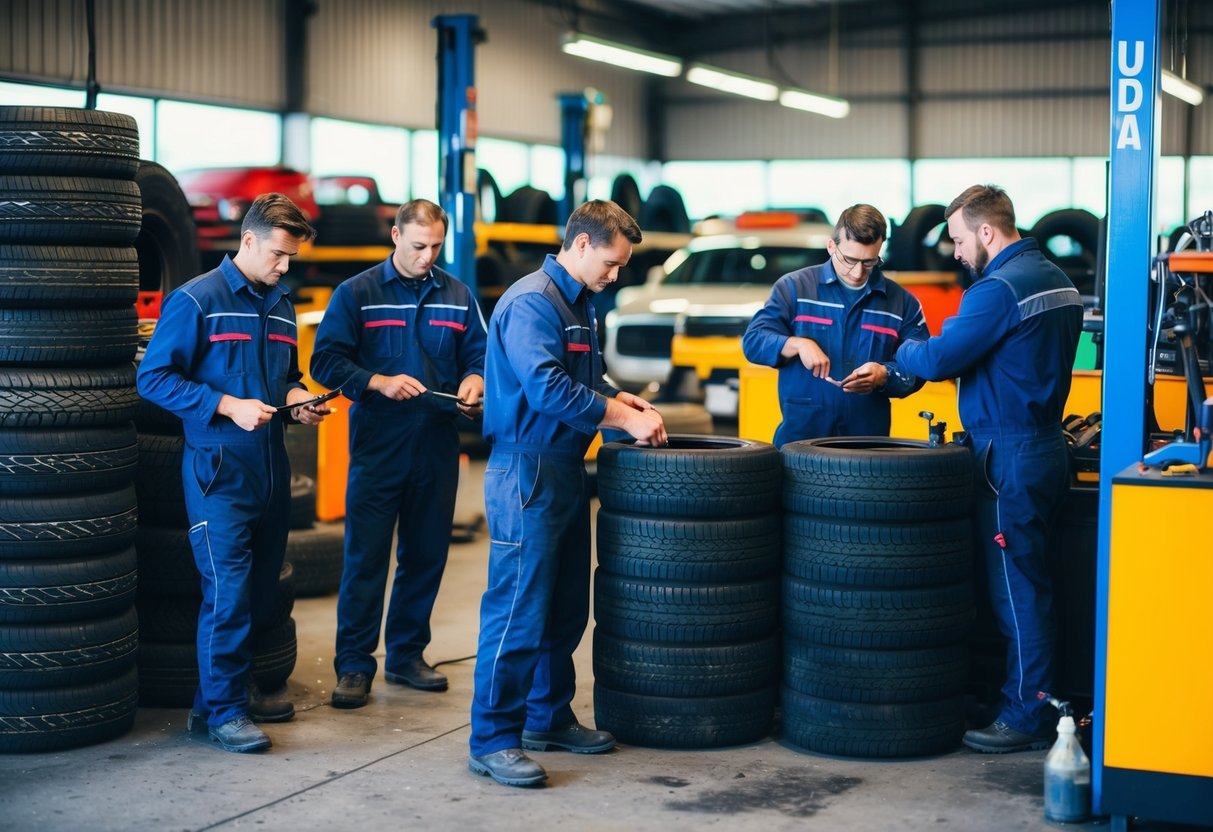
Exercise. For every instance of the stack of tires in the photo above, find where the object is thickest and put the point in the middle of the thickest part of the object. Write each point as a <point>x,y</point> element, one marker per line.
<point>877,595</point>
<point>315,550</point>
<point>686,650</point>
<point>69,274</point>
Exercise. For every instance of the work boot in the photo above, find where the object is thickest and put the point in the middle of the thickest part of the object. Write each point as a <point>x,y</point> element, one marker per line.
<point>510,767</point>
<point>573,737</point>
<point>240,735</point>
<point>195,723</point>
<point>352,691</point>
<point>267,707</point>
<point>416,673</point>
<point>1000,738</point>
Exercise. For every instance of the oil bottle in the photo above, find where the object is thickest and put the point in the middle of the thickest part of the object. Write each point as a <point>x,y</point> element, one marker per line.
<point>1067,772</point>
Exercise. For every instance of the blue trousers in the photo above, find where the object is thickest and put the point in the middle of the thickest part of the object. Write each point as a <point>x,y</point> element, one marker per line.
<point>536,606</point>
<point>403,478</point>
<point>238,500</point>
<point>1022,483</point>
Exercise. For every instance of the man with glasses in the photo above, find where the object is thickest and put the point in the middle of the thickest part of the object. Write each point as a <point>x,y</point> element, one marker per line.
<point>832,331</point>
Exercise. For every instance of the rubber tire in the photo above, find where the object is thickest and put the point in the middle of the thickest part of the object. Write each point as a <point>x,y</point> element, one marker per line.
<point>318,555</point>
<point>158,483</point>
<point>665,210</point>
<point>66,461</point>
<point>693,551</point>
<point>907,242</point>
<point>176,618</point>
<point>68,210</point>
<point>67,526</point>
<point>167,242</point>
<point>528,205</point>
<point>352,225</point>
<point>68,141</point>
<point>488,197</point>
<point>685,614</point>
<point>651,669</point>
<point>853,729</point>
<point>626,194</point>
<point>68,337</point>
<point>154,419</point>
<point>303,502</point>
<point>61,398</point>
<point>67,589</point>
<point>684,722</point>
<point>875,676</point>
<point>694,476</point>
<point>166,564</point>
<point>67,653</point>
<point>68,276</point>
<point>875,478</point>
<point>58,718</point>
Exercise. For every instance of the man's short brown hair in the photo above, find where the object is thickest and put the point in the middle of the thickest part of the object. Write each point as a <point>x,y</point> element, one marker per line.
<point>270,211</point>
<point>984,203</point>
<point>602,220</point>
<point>422,212</point>
<point>862,223</point>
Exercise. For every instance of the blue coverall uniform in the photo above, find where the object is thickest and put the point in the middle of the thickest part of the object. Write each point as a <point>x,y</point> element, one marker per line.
<point>217,336</point>
<point>852,328</point>
<point>404,455</point>
<point>545,398</point>
<point>1012,345</point>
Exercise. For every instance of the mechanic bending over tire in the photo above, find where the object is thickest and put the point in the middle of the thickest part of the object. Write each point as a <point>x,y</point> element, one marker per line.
<point>546,398</point>
<point>832,331</point>
<point>405,341</point>
<point>1012,345</point>
<point>223,356</point>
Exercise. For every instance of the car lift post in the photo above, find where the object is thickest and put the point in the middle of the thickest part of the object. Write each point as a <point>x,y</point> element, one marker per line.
<point>458,35</point>
<point>574,108</point>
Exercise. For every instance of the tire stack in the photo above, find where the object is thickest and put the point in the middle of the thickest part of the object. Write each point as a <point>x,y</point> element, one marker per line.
<point>69,274</point>
<point>686,649</point>
<point>316,551</point>
<point>877,595</point>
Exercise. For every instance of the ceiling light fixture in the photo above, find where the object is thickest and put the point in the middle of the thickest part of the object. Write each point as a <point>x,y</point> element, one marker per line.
<point>734,82</point>
<point>1182,88</point>
<point>628,57</point>
<point>825,105</point>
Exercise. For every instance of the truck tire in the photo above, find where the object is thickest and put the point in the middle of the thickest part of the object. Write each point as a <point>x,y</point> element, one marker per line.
<point>167,240</point>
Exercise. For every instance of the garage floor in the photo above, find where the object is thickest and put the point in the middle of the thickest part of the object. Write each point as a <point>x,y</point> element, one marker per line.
<point>402,761</point>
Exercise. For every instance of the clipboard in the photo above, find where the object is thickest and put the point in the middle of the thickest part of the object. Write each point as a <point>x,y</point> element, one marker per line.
<point>330,395</point>
<point>450,396</point>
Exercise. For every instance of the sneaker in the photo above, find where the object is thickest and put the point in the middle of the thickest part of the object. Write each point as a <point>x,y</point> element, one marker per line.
<point>416,673</point>
<point>1000,738</point>
<point>510,767</point>
<point>352,691</point>
<point>268,708</point>
<point>573,737</point>
<point>240,735</point>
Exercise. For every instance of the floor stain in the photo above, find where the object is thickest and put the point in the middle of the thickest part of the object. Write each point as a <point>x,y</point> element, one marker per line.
<point>1014,780</point>
<point>672,782</point>
<point>791,793</point>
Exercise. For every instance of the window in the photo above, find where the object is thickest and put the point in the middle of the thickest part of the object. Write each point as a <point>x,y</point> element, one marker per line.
<point>718,187</point>
<point>349,148</point>
<point>31,95</point>
<point>835,185</point>
<point>204,136</point>
<point>425,165</point>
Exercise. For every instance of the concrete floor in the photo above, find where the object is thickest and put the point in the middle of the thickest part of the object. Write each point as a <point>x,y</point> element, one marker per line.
<point>402,761</point>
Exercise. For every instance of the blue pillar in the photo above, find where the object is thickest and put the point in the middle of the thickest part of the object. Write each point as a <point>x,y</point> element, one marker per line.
<point>1134,160</point>
<point>573,110</point>
<point>458,35</point>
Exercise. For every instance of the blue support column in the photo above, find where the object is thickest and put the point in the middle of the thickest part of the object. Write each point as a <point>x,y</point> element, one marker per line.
<point>458,35</point>
<point>1134,160</point>
<point>573,110</point>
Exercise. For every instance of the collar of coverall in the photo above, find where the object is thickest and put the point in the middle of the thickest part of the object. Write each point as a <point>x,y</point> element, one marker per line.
<point>390,273</point>
<point>568,285</point>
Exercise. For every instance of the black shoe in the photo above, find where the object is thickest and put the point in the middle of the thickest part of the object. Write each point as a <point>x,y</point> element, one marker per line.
<point>240,735</point>
<point>352,691</point>
<point>1000,738</point>
<point>509,767</point>
<point>416,673</point>
<point>267,708</point>
<point>195,723</point>
<point>574,737</point>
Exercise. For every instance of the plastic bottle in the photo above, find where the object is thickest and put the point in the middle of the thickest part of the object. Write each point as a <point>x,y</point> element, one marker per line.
<point>1067,777</point>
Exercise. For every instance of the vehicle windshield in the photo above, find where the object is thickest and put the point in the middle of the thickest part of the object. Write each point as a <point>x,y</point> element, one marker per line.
<point>763,265</point>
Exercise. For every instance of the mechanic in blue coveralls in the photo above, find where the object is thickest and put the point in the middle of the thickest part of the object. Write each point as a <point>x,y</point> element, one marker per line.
<point>832,330</point>
<point>394,338</point>
<point>223,355</point>
<point>546,399</point>
<point>1012,345</point>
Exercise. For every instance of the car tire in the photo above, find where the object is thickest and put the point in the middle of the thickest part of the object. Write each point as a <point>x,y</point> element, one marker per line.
<point>76,210</point>
<point>66,141</point>
<point>68,276</point>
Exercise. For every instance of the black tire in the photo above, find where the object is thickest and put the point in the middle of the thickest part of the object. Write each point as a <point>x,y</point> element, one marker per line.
<point>701,614</point>
<point>1082,227</point>
<point>53,719</point>
<point>67,276</point>
<point>694,551</point>
<point>318,555</point>
<point>874,478</point>
<point>275,652</point>
<point>63,141</point>
<point>877,676</point>
<point>68,209</point>
<point>352,225</point>
<point>907,243</point>
<point>303,502</point>
<point>67,526</point>
<point>67,589</point>
<point>676,670</point>
<point>68,337</point>
<point>176,618</point>
<point>528,205</point>
<point>63,398</point>
<point>158,483</point>
<point>626,194</point>
<point>66,461</point>
<point>665,210</point>
<point>874,554</point>
<point>694,476</point>
<point>684,722</point>
<point>166,564</point>
<point>488,197</point>
<point>852,729</point>
<point>154,419</point>
<point>167,240</point>
<point>72,653</point>
<point>877,619</point>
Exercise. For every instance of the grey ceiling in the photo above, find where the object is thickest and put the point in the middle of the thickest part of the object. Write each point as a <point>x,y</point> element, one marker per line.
<point>703,9</point>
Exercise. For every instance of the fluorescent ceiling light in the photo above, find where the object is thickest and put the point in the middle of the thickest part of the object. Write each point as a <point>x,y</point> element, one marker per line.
<point>825,105</point>
<point>1182,89</point>
<point>628,57</point>
<point>733,82</point>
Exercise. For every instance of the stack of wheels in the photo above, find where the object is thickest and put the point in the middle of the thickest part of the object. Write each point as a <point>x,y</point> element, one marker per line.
<point>877,595</point>
<point>686,650</point>
<point>69,274</point>
<point>315,550</point>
